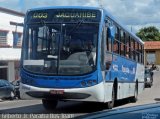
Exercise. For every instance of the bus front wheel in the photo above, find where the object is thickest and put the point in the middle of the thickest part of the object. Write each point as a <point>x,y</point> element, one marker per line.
<point>110,104</point>
<point>49,104</point>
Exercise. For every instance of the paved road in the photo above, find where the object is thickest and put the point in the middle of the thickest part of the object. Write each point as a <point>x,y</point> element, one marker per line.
<point>74,109</point>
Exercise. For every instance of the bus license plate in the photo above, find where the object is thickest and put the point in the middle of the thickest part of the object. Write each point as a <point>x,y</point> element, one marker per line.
<point>59,92</point>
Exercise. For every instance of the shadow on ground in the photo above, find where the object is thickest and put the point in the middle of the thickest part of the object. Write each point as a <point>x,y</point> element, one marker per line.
<point>63,107</point>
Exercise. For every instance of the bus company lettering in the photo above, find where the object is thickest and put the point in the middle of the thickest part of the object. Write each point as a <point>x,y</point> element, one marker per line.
<point>125,69</point>
<point>133,71</point>
<point>76,15</point>
<point>115,67</point>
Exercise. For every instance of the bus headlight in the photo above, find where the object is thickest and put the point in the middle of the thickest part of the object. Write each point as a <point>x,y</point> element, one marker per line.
<point>83,83</point>
<point>91,82</point>
<point>88,83</point>
<point>94,82</point>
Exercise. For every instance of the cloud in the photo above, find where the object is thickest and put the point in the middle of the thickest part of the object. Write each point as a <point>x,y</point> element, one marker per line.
<point>2,0</point>
<point>136,13</point>
<point>10,4</point>
<point>44,3</point>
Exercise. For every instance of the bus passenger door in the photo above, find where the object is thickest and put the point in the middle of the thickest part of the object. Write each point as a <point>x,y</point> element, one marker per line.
<point>106,55</point>
<point>103,49</point>
<point>106,61</point>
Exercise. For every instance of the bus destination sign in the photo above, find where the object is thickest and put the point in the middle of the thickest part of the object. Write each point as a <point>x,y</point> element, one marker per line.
<point>76,15</point>
<point>64,15</point>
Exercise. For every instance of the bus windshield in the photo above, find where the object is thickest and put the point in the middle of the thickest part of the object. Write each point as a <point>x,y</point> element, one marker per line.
<point>60,48</point>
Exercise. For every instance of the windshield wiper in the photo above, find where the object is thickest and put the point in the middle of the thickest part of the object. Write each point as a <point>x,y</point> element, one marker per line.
<point>76,26</point>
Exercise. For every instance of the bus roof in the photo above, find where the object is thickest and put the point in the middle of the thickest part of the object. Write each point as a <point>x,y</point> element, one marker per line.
<point>64,7</point>
<point>106,13</point>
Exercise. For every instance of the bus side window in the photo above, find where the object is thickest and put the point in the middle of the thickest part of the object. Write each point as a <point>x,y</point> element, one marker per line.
<point>108,55</point>
<point>108,60</point>
<point>122,33</point>
<point>102,49</point>
<point>108,43</point>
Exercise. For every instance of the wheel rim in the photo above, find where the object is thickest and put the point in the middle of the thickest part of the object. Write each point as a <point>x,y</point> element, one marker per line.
<point>111,103</point>
<point>113,98</point>
<point>136,92</point>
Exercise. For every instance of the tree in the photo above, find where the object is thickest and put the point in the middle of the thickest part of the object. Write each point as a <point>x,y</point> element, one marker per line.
<point>150,33</point>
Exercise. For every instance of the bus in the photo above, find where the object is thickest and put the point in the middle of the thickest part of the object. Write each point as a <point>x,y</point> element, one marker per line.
<point>79,54</point>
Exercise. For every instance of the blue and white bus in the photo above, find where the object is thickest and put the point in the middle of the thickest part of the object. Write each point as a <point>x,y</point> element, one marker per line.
<point>79,54</point>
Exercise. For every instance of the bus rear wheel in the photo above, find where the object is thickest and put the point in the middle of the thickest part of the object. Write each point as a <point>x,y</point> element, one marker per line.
<point>49,104</point>
<point>135,97</point>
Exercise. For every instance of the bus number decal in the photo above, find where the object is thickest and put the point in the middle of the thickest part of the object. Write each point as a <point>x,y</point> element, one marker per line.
<point>40,15</point>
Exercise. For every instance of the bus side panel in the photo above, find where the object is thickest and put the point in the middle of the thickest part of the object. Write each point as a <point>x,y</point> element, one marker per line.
<point>127,89</point>
<point>123,90</point>
<point>126,72</point>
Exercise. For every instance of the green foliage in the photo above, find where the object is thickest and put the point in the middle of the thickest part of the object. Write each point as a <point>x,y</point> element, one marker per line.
<point>149,34</point>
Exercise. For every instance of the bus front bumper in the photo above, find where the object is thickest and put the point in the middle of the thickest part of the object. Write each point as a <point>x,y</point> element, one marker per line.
<point>94,93</point>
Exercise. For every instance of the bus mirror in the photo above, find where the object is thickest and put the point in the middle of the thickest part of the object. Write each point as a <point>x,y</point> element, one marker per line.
<point>111,32</point>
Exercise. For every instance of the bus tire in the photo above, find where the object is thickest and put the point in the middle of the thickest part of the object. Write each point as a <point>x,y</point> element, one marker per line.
<point>49,104</point>
<point>135,97</point>
<point>110,104</point>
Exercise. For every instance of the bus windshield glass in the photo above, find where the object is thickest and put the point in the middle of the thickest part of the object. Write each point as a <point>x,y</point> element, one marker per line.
<point>65,48</point>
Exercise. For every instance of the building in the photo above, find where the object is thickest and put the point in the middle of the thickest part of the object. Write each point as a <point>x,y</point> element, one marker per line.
<point>152,52</point>
<point>10,43</point>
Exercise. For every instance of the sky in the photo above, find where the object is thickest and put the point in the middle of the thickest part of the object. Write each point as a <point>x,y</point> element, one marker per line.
<point>134,14</point>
